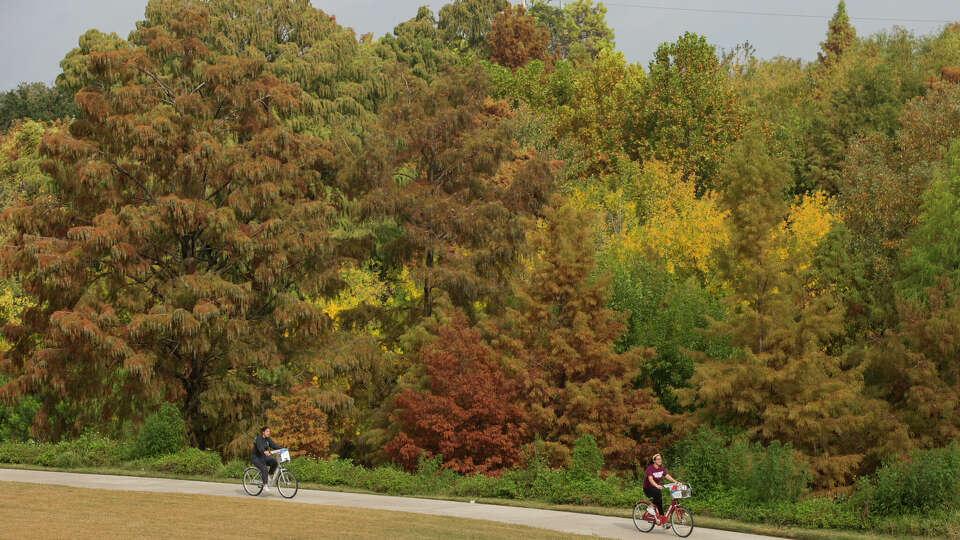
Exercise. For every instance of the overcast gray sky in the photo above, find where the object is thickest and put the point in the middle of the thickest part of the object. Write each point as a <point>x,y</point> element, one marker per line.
<point>36,34</point>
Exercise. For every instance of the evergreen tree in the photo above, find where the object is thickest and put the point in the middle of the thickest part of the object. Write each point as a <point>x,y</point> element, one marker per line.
<point>782,384</point>
<point>419,45</point>
<point>183,227</point>
<point>562,334</point>
<point>840,35</point>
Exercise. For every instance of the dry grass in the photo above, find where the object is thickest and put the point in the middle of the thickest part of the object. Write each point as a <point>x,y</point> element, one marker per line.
<point>46,511</point>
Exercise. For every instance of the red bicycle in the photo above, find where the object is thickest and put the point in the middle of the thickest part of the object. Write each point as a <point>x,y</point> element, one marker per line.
<point>646,517</point>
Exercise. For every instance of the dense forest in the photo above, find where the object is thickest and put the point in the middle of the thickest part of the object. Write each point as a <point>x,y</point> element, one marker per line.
<point>484,232</point>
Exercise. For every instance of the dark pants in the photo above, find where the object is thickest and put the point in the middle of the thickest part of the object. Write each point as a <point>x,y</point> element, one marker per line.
<point>655,497</point>
<point>262,462</point>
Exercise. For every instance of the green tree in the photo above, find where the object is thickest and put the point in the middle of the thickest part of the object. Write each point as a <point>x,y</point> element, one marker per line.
<point>465,23</point>
<point>578,31</point>
<point>184,225</point>
<point>689,112</point>
<point>781,383</point>
<point>35,101</point>
<point>419,45</point>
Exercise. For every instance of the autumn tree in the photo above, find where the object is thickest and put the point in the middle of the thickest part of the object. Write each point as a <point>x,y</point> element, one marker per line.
<point>515,38</point>
<point>467,409</point>
<point>840,35</point>
<point>562,334</point>
<point>184,225</point>
<point>343,80</point>
<point>781,383</point>
<point>299,422</point>
<point>458,191</point>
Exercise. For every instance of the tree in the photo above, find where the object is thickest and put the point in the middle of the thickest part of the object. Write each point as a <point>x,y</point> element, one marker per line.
<point>460,193</point>
<point>419,45</point>
<point>466,411</point>
<point>840,35</point>
<point>344,81</point>
<point>465,23</point>
<point>300,422</point>
<point>515,38</point>
<point>781,383</point>
<point>562,334</point>
<point>689,113</point>
<point>34,101</point>
<point>578,31</point>
<point>185,224</point>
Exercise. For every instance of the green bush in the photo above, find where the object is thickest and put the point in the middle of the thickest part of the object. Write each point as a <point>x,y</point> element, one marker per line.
<point>233,469</point>
<point>162,433</point>
<point>21,453</point>
<point>586,461</point>
<point>333,472</point>
<point>776,474</point>
<point>188,461</point>
<point>928,480</point>
<point>16,419</point>
<point>391,480</point>
<point>486,486</point>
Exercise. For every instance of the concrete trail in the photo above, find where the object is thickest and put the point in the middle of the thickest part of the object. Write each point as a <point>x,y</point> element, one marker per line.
<point>568,522</point>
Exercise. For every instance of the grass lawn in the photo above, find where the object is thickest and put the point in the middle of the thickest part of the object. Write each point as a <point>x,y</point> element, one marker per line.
<point>46,511</point>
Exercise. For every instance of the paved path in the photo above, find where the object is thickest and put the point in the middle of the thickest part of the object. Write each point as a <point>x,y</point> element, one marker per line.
<point>604,526</point>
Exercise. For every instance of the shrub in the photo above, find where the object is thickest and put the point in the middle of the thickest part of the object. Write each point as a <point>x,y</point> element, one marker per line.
<point>333,472</point>
<point>16,419</point>
<point>777,474</point>
<point>480,485</point>
<point>586,462</point>
<point>234,469</point>
<point>390,480</point>
<point>187,461</point>
<point>927,480</point>
<point>162,433</point>
<point>711,462</point>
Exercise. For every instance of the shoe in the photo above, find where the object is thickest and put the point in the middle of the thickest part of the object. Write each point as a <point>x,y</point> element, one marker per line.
<point>266,489</point>
<point>666,526</point>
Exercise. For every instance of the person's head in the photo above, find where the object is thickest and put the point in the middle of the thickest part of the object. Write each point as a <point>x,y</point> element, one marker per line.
<point>265,431</point>
<point>656,459</point>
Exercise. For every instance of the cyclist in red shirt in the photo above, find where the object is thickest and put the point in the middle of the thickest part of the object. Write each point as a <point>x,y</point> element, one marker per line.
<point>653,482</point>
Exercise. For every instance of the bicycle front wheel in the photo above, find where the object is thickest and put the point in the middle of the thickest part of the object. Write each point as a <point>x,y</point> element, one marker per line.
<point>681,521</point>
<point>639,512</point>
<point>287,484</point>
<point>252,481</point>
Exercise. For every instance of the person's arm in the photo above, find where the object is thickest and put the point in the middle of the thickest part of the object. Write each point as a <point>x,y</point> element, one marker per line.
<point>273,444</point>
<point>654,482</point>
<point>671,478</point>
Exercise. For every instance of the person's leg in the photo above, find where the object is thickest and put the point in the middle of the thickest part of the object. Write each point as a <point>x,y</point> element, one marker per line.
<point>656,497</point>
<point>262,465</point>
<point>273,465</point>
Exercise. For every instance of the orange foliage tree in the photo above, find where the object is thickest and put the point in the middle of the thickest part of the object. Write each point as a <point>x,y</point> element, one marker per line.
<point>467,411</point>
<point>516,38</point>
<point>300,423</point>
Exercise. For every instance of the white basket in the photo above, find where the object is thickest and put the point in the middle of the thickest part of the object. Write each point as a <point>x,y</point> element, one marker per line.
<point>679,491</point>
<point>283,454</point>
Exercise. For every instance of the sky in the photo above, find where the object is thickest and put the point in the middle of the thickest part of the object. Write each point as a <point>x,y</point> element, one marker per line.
<point>36,34</point>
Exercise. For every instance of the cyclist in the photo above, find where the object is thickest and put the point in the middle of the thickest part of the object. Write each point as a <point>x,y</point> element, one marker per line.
<point>262,444</point>
<point>653,483</point>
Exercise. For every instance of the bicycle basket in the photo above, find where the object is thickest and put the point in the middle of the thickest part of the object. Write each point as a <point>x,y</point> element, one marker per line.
<point>283,455</point>
<point>680,491</point>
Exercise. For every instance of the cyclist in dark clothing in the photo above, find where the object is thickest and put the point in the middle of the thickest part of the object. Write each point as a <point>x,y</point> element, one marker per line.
<point>262,444</point>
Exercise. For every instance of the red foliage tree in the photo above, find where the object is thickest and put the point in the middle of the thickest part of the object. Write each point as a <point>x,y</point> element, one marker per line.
<point>467,412</point>
<point>516,38</point>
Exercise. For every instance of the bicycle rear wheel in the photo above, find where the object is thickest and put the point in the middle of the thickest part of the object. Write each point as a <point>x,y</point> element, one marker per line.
<point>252,481</point>
<point>639,512</point>
<point>287,484</point>
<point>681,521</point>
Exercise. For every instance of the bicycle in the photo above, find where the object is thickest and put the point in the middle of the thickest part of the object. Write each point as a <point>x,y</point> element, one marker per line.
<point>681,520</point>
<point>284,480</point>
